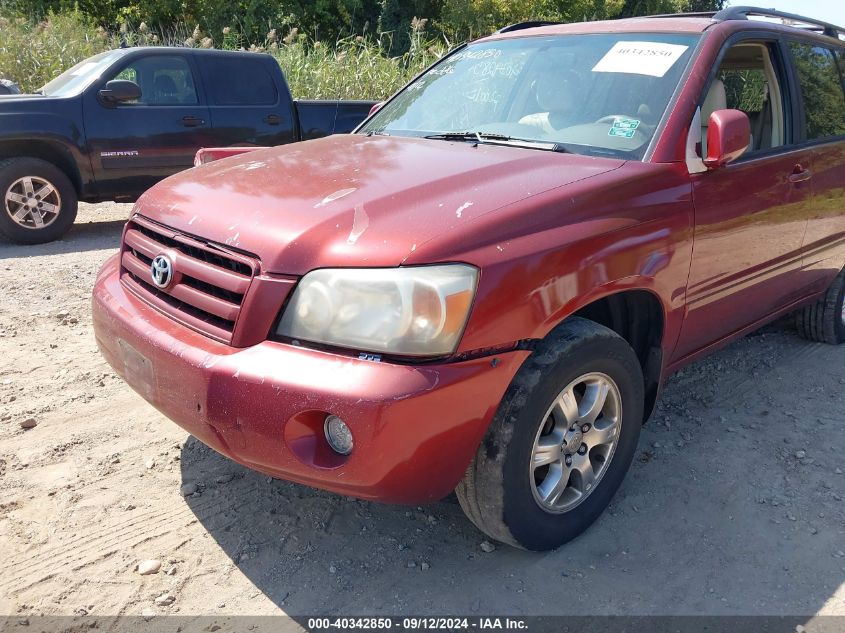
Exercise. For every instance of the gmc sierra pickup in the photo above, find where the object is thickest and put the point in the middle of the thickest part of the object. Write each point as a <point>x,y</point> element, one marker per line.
<point>115,124</point>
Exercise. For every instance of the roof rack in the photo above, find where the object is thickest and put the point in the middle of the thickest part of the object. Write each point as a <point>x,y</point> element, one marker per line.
<point>525,25</point>
<point>742,13</point>
<point>692,14</point>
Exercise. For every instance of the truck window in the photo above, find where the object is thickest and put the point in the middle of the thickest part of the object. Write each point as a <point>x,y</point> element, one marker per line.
<point>163,79</point>
<point>821,89</point>
<point>76,79</point>
<point>237,81</point>
<point>747,81</point>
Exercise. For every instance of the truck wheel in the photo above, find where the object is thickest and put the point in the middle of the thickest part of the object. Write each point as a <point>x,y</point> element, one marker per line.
<point>561,441</point>
<point>824,320</point>
<point>39,201</point>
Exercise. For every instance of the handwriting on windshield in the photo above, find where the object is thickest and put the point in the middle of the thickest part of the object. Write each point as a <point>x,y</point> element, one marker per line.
<point>490,69</point>
<point>487,53</point>
<point>482,94</point>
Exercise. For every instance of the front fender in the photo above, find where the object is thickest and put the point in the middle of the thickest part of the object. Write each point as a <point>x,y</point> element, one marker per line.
<point>547,257</point>
<point>33,127</point>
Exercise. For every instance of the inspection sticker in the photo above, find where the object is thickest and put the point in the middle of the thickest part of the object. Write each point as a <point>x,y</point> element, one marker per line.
<point>640,58</point>
<point>624,127</point>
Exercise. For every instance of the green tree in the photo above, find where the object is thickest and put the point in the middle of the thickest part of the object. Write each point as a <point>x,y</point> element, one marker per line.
<point>465,19</point>
<point>654,7</point>
<point>705,5</point>
<point>396,20</point>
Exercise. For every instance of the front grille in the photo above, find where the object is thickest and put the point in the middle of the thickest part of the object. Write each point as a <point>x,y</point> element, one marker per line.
<point>209,282</point>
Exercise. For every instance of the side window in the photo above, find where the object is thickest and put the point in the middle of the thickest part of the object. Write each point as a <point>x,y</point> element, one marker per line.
<point>821,89</point>
<point>747,81</point>
<point>127,74</point>
<point>163,79</point>
<point>238,81</point>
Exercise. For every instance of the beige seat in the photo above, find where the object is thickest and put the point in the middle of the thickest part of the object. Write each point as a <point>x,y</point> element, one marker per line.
<point>557,99</point>
<point>717,99</point>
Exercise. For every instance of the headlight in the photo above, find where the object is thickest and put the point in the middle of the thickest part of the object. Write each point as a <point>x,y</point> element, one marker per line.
<point>415,311</point>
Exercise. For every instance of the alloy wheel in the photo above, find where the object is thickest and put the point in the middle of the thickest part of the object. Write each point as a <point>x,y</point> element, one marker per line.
<point>33,202</point>
<point>575,442</point>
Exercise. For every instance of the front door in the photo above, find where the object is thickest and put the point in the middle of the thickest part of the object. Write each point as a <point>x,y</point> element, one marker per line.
<point>134,145</point>
<point>750,216</point>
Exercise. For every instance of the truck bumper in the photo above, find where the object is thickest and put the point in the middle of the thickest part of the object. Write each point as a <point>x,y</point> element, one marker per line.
<point>415,428</point>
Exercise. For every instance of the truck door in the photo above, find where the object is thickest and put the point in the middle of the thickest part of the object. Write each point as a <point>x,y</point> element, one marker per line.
<point>248,100</point>
<point>134,145</point>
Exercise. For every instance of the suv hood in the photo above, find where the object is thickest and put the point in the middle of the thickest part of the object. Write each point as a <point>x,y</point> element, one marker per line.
<point>353,200</point>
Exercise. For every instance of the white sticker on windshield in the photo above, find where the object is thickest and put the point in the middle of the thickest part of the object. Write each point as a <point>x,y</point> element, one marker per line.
<point>640,58</point>
<point>84,69</point>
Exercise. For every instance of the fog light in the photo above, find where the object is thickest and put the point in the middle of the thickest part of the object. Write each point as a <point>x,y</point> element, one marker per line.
<point>338,435</point>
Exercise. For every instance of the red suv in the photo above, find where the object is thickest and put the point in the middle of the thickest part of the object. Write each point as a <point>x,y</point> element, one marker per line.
<point>484,288</point>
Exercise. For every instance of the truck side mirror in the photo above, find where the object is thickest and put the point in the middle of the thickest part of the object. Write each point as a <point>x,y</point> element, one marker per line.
<point>376,107</point>
<point>728,136</point>
<point>120,91</point>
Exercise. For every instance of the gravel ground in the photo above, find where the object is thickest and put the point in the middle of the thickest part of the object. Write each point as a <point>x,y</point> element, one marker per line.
<point>734,504</point>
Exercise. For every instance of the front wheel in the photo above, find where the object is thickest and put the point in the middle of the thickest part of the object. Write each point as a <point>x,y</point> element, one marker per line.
<point>561,441</point>
<point>39,201</point>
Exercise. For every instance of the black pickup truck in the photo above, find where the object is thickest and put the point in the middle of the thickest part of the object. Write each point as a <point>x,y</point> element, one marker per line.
<point>118,122</point>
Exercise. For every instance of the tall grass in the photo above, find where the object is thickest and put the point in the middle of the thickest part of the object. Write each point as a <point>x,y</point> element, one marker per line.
<point>32,54</point>
<point>352,69</point>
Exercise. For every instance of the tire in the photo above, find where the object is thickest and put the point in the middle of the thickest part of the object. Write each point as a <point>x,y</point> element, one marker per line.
<point>501,492</point>
<point>824,320</point>
<point>20,180</point>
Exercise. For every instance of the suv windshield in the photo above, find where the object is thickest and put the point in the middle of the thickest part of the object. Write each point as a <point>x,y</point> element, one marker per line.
<point>601,94</point>
<point>76,79</point>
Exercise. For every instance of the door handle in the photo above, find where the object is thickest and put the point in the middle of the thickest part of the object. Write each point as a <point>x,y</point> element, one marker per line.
<point>272,119</point>
<point>800,174</point>
<point>192,121</point>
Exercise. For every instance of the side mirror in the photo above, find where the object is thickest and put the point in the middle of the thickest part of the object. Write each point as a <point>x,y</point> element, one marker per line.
<point>120,91</point>
<point>376,107</point>
<point>728,136</point>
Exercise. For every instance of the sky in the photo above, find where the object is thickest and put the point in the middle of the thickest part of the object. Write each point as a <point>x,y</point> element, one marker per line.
<point>832,11</point>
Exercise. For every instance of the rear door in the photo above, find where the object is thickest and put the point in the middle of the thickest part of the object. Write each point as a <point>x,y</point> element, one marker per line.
<point>248,102</point>
<point>822,131</point>
<point>134,145</point>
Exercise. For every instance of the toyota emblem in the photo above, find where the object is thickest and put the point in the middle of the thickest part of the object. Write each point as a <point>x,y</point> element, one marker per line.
<point>161,271</point>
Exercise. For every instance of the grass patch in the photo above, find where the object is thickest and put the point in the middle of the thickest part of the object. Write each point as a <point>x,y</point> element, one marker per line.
<point>33,53</point>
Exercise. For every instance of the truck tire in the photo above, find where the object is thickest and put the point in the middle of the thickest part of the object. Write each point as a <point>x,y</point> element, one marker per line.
<point>573,412</point>
<point>824,320</point>
<point>39,201</point>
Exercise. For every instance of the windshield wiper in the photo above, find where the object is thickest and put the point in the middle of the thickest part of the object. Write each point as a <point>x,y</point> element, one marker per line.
<point>470,136</point>
<point>493,138</point>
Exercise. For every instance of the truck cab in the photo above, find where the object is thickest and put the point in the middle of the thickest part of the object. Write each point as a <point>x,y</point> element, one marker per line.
<point>115,124</point>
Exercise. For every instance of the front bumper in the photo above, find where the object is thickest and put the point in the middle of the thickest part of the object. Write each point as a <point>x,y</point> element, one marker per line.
<point>415,428</point>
